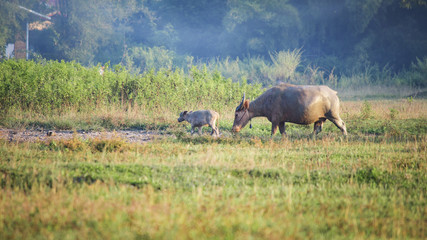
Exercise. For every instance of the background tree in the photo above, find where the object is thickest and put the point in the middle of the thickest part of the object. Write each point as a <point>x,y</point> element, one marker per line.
<point>346,36</point>
<point>259,27</point>
<point>93,31</point>
<point>13,20</point>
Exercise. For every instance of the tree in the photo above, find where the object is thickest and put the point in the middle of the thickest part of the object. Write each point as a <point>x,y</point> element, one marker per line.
<point>191,27</point>
<point>412,3</point>
<point>260,27</point>
<point>13,19</point>
<point>350,35</point>
<point>93,31</point>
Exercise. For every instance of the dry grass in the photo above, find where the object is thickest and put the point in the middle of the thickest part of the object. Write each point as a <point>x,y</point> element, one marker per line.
<point>370,91</point>
<point>381,109</point>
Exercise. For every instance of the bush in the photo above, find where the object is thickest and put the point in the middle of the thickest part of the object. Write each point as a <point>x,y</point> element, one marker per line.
<point>149,58</point>
<point>57,86</point>
<point>417,75</point>
<point>284,64</point>
<point>366,111</point>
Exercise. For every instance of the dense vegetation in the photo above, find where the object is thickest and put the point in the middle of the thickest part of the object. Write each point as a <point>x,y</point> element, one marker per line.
<point>56,87</point>
<point>52,87</point>
<point>342,38</point>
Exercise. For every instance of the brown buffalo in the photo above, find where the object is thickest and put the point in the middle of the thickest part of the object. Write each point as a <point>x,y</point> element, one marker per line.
<point>291,103</point>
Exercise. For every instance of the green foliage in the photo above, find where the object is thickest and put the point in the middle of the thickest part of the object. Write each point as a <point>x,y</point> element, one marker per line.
<point>417,75</point>
<point>93,31</point>
<point>370,75</point>
<point>228,67</point>
<point>56,86</point>
<point>12,21</point>
<point>345,36</point>
<point>412,3</point>
<point>366,111</point>
<point>284,64</point>
<point>49,86</point>
<point>262,26</point>
<point>282,68</point>
<point>399,129</point>
<point>145,59</point>
<point>393,113</point>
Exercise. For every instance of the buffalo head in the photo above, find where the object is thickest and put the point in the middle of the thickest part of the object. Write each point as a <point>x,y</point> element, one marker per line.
<point>241,116</point>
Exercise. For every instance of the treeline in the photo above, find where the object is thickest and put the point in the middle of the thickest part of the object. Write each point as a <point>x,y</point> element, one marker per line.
<point>54,87</point>
<point>340,38</point>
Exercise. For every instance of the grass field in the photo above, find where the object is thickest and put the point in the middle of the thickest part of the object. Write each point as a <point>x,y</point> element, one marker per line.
<point>369,185</point>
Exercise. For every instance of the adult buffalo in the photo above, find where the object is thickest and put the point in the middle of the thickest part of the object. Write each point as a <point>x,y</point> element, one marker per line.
<point>291,103</point>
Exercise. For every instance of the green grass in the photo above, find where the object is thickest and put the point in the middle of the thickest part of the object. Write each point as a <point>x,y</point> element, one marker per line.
<point>201,187</point>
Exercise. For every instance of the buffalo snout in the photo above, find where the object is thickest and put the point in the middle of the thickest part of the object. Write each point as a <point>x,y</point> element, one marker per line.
<point>235,129</point>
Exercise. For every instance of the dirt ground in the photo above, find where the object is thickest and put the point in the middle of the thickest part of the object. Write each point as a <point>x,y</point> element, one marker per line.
<point>132,136</point>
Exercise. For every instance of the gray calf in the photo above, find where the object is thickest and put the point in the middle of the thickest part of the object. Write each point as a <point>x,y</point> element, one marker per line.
<point>200,118</point>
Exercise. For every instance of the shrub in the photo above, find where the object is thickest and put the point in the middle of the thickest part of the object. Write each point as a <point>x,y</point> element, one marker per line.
<point>284,64</point>
<point>57,86</point>
<point>417,75</point>
<point>393,113</point>
<point>366,111</point>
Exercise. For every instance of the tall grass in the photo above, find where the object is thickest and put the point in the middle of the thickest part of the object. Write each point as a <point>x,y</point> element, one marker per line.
<point>57,86</point>
<point>282,66</point>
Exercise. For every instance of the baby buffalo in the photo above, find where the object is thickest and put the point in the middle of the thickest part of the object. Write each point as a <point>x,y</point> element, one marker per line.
<point>200,118</point>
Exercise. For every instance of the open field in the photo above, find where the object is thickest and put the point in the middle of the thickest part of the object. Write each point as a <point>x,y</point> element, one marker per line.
<point>369,185</point>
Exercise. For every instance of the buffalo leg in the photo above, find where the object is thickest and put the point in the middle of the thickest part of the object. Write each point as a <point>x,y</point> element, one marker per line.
<point>192,130</point>
<point>274,128</point>
<point>318,126</point>
<point>340,124</point>
<point>200,130</point>
<point>282,128</point>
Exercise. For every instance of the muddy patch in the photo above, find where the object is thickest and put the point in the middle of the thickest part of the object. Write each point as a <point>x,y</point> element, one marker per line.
<point>132,136</point>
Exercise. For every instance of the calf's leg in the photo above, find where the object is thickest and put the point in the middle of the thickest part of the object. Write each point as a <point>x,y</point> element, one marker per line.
<point>214,129</point>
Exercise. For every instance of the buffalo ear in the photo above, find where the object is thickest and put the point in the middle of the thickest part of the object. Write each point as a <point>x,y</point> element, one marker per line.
<point>185,112</point>
<point>246,104</point>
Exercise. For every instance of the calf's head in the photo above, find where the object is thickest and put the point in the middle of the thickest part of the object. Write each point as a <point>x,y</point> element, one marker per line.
<point>182,116</point>
<point>241,115</point>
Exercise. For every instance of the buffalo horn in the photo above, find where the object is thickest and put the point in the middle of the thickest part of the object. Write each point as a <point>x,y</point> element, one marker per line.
<point>241,103</point>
